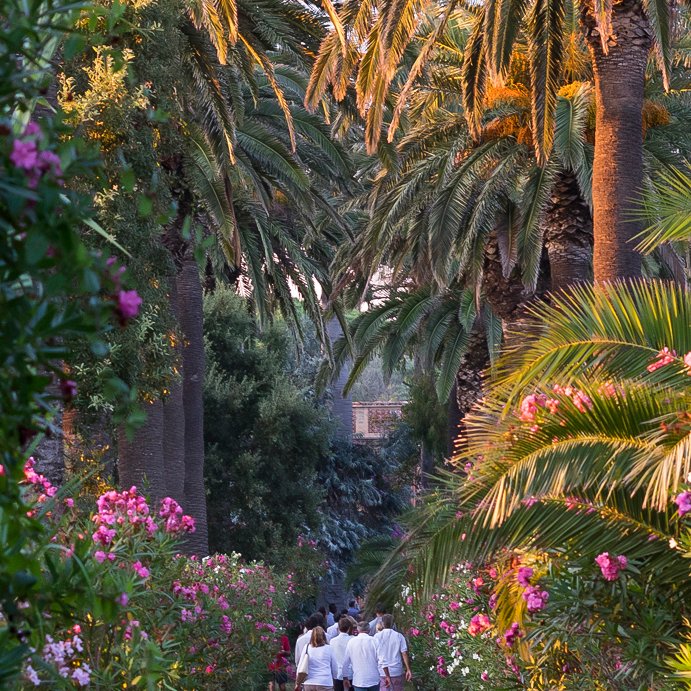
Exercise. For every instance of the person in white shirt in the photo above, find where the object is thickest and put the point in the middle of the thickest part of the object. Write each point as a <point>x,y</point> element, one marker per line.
<point>332,631</point>
<point>338,648</point>
<point>321,667</point>
<point>379,611</point>
<point>302,642</point>
<point>360,668</point>
<point>392,655</point>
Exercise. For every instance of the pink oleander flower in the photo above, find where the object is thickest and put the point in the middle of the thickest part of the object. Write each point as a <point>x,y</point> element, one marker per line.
<point>226,624</point>
<point>512,634</point>
<point>441,667</point>
<point>683,501</point>
<point>479,624</point>
<point>535,598</point>
<point>69,503</point>
<point>687,362</point>
<point>2,469</point>
<point>525,573</point>
<point>104,535</point>
<point>414,632</point>
<point>454,605</point>
<point>530,406</point>
<point>140,570</point>
<point>129,303</point>
<point>122,599</point>
<point>24,154</point>
<point>610,566</point>
<point>484,676</point>
<point>664,357</point>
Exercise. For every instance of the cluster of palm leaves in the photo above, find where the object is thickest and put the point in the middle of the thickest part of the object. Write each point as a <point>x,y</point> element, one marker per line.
<point>268,172</point>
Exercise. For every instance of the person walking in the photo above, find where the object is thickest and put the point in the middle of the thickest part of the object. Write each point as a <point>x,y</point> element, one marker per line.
<point>303,640</point>
<point>331,614</point>
<point>353,609</point>
<point>338,648</point>
<point>392,655</point>
<point>379,613</point>
<point>278,668</point>
<point>332,631</point>
<point>321,668</point>
<point>360,665</point>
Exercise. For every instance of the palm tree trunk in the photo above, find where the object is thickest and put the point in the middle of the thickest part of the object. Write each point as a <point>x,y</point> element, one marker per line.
<point>174,422</point>
<point>193,362</point>
<point>468,387</point>
<point>618,166</point>
<point>140,459</point>
<point>568,233</point>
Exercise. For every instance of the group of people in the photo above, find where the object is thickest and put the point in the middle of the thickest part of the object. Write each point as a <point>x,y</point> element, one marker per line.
<point>344,651</point>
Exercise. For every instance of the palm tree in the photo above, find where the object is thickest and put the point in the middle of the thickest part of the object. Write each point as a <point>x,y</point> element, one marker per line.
<point>619,37</point>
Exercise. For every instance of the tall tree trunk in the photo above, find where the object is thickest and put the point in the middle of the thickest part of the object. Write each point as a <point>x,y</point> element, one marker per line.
<point>140,460</point>
<point>341,406</point>
<point>174,421</point>
<point>568,233</point>
<point>618,166</point>
<point>468,387</point>
<point>193,361</point>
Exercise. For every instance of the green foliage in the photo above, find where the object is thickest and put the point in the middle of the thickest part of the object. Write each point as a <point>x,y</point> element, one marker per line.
<point>52,290</point>
<point>265,437</point>
<point>275,466</point>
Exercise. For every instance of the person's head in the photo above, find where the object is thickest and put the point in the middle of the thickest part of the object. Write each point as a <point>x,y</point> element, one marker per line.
<point>387,621</point>
<point>345,625</point>
<point>380,610</point>
<point>314,620</point>
<point>351,603</point>
<point>322,609</point>
<point>363,627</point>
<point>318,637</point>
<point>332,608</point>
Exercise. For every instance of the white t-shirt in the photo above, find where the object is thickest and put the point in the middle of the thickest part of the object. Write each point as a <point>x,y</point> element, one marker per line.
<point>360,662</point>
<point>390,644</point>
<point>322,668</point>
<point>300,646</point>
<point>338,650</point>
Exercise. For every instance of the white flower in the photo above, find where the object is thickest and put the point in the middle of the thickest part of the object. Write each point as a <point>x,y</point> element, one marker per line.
<point>673,543</point>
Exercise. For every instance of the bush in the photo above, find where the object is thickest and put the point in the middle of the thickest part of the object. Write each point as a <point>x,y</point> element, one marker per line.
<point>135,612</point>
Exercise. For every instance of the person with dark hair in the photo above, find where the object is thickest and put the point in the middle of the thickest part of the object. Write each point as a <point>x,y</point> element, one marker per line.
<point>331,614</point>
<point>332,631</point>
<point>379,612</point>
<point>302,642</point>
<point>338,648</point>
<point>322,668</point>
<point>392,654</point>
<point>353,609</point>
<point>360,662</point>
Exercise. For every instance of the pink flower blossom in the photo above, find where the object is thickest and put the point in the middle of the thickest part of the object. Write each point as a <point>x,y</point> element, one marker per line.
<point>484,676</point>
<point>530,405</point>
<point>525,573</point>
<point>536,598</point>
<point>141,570</point>
<point>664,357</point>
<point>687,362</point>
<point>479,624</point>
<point>683,501</point>
<point>24,154</point>
<point>414,632</point>
<point>610,565</point>
<point>512,634</point>
<point>69,503</point>
<point>122,599</point>
<point>129,303</point>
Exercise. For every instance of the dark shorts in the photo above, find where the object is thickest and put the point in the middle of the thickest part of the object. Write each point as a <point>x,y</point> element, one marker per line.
<point>280,678</point>
<point>338,685</point>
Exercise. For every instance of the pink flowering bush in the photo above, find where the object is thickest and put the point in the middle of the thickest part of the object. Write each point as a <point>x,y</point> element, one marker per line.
<point>142,612</point>
<point>452,637</point>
